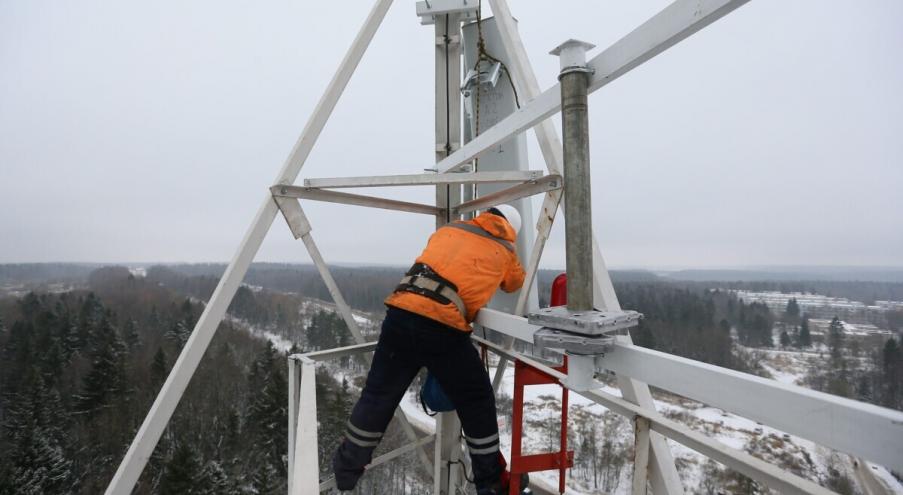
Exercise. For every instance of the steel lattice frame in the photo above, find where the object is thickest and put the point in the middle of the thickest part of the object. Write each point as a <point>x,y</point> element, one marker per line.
<point>674,23</point>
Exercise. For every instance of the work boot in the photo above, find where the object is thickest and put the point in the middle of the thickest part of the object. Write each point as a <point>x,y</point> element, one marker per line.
<point>501,487</point>
<point>494,489</point>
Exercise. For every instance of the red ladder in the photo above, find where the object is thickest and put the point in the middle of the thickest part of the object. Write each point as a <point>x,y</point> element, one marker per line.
<point>563,459</point>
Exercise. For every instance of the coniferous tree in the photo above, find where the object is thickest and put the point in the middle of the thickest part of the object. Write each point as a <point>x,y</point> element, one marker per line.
<point>215,480</point>
<point>158,369</point>
<point>265,480</point>
<point>130,334</point>
<point>106,381</point>
<point>805,335</point>
<point>34,425</point>
<point>181,475</point>
<point>785,338</point>
<point>892,367</point>
<point>53,362</point>
<point>792,313</point>
<point>267,413</point>
<point>91,316</point>
<point>835,338</point>
<point>178,333</point>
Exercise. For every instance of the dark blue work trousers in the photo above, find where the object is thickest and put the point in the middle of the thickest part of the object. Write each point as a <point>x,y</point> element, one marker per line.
<point>407,343</point>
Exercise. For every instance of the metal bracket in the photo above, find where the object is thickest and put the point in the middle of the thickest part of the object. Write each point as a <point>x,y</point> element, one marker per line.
<point>476,76</point>
<point>450,40</point>
<point>294,215</point>
<point>592,323</point>
<point>572,343</point>
<point>430,9</point>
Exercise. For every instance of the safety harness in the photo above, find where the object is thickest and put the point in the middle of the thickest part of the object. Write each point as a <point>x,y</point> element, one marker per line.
<point>423,280</point>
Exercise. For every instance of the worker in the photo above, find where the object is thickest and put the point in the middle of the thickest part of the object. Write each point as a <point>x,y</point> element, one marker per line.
<point>427,324</point>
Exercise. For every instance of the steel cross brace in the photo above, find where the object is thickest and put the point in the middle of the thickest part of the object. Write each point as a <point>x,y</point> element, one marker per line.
<point>677,21</point>
<point>300,228</point>
<point>164,405</point>
<point>665,29</point>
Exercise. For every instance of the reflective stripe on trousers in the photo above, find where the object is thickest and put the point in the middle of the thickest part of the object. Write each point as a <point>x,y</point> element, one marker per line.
<point>409,342</point>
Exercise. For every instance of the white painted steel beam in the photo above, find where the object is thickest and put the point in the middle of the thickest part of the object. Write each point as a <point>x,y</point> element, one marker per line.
<point>507,324</point>
<point>854,427</point>
<point>447,81</point>
<point>348,317</point>
<point>757,469</point>
<point>294,401</point>
<point>293,215</point>
<point>338,352</point>
<point>545,184</point>
<point>640,455</point>
<point>354,199</point>
<point>543,229</point>
<point>424,179</point>
<point>165,404</point>
<point>674,23</point>
<point>306,467</point>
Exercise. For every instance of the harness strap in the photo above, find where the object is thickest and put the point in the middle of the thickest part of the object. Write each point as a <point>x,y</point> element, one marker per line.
<point>429,286</point>
<point>473,229</point>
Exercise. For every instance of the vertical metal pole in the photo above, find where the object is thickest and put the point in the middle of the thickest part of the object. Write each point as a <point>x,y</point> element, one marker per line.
<point>294,399</point>
<point>663,471</point>
<point>563,460</point>
<point>546,135</point>
<point>641,456</point>
<point>306,467</point>
<point>448,139</point>
<point>448,103</point>
<point>437,455</point>
<point>578,227</point>
<point>517,426</point>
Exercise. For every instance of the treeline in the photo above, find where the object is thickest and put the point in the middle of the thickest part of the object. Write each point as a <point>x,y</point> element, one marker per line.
<point>364,288</point>
<point>37,273</point>
<point>865,292</point>
<point>81,370</point>
<point>697,324</point>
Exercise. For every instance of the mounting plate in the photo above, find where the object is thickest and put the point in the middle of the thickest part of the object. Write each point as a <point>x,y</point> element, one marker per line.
<point>572,343</point>
<point>592,323</point>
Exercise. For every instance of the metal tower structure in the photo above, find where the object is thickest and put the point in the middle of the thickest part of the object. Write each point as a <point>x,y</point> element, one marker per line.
<point>862,430</point>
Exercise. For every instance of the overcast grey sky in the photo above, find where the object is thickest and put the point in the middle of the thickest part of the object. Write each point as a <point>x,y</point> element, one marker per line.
<point>149,131</point>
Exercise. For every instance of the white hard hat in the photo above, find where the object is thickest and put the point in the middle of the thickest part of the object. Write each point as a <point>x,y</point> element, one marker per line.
<point>511,214</point>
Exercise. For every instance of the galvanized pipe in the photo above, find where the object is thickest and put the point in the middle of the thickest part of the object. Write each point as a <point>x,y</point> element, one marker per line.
<point>577,197</point>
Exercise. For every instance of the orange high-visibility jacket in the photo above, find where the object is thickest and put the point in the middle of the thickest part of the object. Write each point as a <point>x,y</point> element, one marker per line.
<point>478,265</point>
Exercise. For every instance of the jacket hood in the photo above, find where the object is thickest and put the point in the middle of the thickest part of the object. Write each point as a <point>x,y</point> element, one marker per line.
<point>496,225</point>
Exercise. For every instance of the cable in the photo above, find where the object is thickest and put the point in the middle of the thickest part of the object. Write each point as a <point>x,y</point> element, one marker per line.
<point>484,55</point>
<point>463,469</point>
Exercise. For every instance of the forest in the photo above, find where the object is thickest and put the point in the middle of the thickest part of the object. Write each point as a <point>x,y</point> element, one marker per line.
<point>82,366</point>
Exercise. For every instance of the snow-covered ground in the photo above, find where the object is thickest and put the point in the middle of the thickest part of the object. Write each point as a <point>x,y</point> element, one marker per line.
<point>542,407</point>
